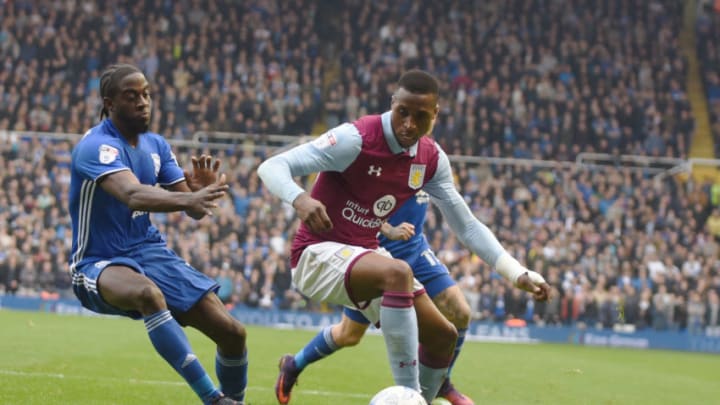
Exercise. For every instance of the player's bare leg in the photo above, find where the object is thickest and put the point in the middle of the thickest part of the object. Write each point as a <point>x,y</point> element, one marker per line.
<point>124,288</point>
<point>211,317</point>
<point>452,304</point>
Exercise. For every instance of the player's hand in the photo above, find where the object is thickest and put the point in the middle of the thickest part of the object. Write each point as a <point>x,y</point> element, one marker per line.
<point>205,172</point>
<point>204,200</point>
<point>313,213</point>
<point>403,231</point>
<point>534,283</point>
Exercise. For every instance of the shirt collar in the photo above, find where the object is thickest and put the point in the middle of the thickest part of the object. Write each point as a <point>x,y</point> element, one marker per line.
<point>114,131</point>
<point>110,127</point>
<point>390,137</point>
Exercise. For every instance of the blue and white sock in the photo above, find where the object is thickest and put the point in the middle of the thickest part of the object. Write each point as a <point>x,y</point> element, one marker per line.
<point>171,343</point>
<point>232,374</point>
<point>320,346</point>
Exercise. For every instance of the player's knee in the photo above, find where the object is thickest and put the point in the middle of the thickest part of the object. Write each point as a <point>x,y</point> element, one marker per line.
<point>448,334</point>
<point>150,299</point>
<point>237,335</point>
<point>398,277</point>
<point>441,339</point>
<point>237,331</point>
<point>461,315</point>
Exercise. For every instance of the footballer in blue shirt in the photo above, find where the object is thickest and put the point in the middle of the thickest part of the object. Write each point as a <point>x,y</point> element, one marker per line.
<point>120,263</point>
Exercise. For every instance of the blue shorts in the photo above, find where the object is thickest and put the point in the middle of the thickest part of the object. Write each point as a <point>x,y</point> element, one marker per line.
<point>181,285</point>
<point>427,269</point>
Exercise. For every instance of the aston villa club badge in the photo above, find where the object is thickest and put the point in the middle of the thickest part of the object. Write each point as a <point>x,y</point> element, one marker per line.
<point>417,174</point>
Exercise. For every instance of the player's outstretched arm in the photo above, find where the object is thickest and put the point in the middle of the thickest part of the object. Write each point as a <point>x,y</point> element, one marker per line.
<point>124,186</point>
<point>476,235</point>
<point>334,150</point>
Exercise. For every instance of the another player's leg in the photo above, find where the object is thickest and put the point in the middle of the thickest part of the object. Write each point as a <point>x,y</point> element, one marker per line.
<point>452,304</point>
<point>437,342</point>
<point>448,298</point>
<point>347,333</point>
<point>211,317</point>
<point>124,288</point>
<point>374,275</point>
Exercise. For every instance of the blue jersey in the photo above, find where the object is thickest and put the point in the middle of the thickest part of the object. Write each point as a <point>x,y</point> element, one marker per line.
<point>413,211</point>
<point>104,227</point>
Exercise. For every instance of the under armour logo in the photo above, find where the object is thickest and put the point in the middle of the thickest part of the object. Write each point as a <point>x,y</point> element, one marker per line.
<point>408,364</point>
<point>374,170</point>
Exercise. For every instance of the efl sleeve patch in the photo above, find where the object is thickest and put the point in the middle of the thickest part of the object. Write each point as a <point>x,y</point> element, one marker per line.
<point>325,140</point>
<point>108,154</point>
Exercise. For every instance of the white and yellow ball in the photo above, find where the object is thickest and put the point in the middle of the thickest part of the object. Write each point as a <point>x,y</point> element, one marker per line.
<point>398,395</point>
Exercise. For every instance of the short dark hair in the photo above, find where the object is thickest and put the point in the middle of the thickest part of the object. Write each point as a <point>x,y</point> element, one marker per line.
<point>419,82</point>
<point>110,81</point>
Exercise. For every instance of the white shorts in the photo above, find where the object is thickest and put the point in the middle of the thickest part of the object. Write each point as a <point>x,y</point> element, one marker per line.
<point>322,271</point>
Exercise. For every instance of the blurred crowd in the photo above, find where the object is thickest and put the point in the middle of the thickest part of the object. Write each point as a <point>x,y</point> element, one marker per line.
<point>618,246</point>
<point>538,79</point>
<point>219,64</point>
<point>520,78</point>
<point>708,49</point>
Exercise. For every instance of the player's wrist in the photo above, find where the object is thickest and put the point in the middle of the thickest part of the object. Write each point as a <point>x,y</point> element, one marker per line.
<point>298,198</point>
<point>385,230</point>
<point>535,277</point>
<point>508,267</point>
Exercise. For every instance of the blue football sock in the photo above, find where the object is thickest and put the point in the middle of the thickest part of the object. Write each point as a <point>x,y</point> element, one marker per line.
<point>458,345</point>
<point>320,346</point>
<point>232,374</point>
<point>171,343</point>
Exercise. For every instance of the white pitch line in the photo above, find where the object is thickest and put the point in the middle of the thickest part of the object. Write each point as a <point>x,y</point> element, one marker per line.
<point>59,376</point>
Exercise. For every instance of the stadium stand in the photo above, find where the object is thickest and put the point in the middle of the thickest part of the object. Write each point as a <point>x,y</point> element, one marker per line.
<point>618,244</point>
<point>708,37</point>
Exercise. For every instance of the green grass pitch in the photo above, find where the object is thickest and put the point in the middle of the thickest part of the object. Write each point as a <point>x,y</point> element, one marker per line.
<point>55,359</point>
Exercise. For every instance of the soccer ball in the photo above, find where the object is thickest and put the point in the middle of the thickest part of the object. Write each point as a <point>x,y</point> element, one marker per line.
<point>398,395</point>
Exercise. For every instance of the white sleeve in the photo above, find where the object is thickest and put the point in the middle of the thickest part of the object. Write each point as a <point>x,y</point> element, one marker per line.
<point>334,150</point>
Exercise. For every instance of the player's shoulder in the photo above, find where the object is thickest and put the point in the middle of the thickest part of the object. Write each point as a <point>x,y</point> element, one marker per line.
<point>96,136</point>
<point>154,137</point>
<point>430,143</point>
<point>342,136</point>
<point>157,141</point>
<point>428,148</point>
<point>368,124</point>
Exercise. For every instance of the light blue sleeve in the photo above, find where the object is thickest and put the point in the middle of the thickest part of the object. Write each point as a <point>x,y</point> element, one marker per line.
<point>332,151</point>
<point>469,230</point>
<point>97,156</point>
